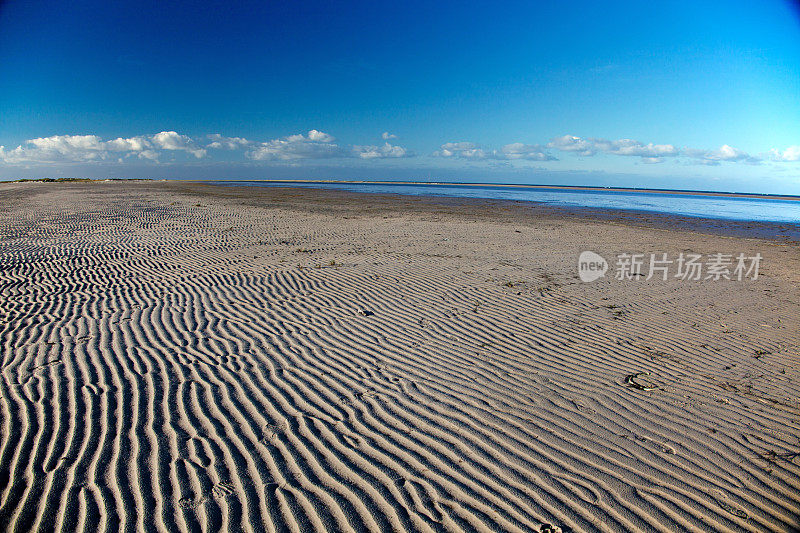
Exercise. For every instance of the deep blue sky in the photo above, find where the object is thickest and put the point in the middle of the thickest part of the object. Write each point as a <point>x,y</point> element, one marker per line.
<point>690,77</point>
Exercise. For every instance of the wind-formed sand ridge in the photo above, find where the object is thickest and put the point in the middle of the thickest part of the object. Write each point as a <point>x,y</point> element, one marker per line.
<point>176,362</point>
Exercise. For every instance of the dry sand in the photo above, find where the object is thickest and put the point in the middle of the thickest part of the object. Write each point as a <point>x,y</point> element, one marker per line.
<point>184,357</point>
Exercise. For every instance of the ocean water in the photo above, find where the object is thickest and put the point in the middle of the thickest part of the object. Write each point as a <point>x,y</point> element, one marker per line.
<point>702,206</point>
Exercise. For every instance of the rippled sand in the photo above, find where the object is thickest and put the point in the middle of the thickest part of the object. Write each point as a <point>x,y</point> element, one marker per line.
<point>180,357</point>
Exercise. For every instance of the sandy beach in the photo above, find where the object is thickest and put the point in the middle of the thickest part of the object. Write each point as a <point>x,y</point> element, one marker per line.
<point>184,357</point>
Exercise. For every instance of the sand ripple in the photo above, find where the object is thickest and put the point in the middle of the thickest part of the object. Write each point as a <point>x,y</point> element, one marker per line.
<point>174,367</point>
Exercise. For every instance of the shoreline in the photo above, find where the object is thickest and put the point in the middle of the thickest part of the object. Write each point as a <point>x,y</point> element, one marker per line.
<point>788,233</point>
<point>685,192</point>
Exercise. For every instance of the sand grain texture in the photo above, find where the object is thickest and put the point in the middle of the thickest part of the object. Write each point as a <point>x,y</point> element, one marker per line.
<point>176,361</point>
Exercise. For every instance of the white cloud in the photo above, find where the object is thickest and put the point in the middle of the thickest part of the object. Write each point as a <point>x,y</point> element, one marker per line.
<point>88,148</point>
<point>320,145</point>
<point>790,154</point>
<point>380,152</point>
<point>61,148</point>
<point>58,148</point>
<point>531,152</point>
<point>220,142</point>
<point>570,143</point>
<point>314,145</point>
<point>630,147</point>
<point>171,140</point>
<point>655,153</point>
<point>67,144</point>
<point>152,155</point>
<point>724,153</point>
<point>513,151</point>
<point>465,150</point>
<point>132,144</point>
<point>318,136</point>
<point>626,147</point>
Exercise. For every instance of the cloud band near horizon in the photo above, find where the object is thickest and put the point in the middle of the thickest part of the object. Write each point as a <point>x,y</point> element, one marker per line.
<point>315,145</point>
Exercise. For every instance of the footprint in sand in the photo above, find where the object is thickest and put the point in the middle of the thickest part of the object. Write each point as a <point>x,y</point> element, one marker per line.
<point>583,409</point>
<point>419,500</point>
<point>271,433</point>
<point>197,452</point>
<point>223,490</point>
<point>722,501</point>
<point>549,528</point>
<point>191,503</point>
<point>354,442</point>
<point>663,448</point>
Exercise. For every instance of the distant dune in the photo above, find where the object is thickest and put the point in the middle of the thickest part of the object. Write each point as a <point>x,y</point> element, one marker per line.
<point>181,357</point>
